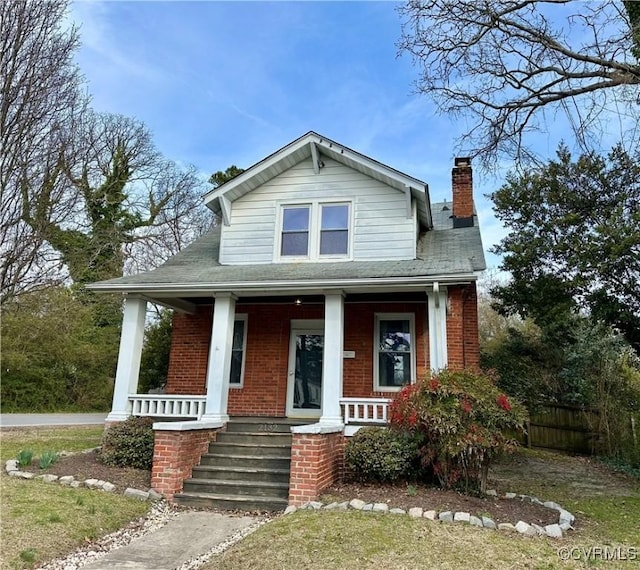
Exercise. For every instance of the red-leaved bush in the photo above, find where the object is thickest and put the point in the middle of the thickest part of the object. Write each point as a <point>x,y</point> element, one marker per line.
<point>462,420</point>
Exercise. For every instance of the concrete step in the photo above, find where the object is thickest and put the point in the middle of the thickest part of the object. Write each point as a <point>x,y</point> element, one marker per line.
<point>231,503</point>
<point>247,460</point>
<point>241,473</point>
<point>263,450</point>
<point>233,488</point>
<point>254,438</point>
<point>263,424</point>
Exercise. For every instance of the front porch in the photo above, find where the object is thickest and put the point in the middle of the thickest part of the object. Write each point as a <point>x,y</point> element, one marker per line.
<point>328,364</point>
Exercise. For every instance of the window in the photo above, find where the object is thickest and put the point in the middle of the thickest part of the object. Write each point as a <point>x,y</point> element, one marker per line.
<point>238,351</point>
<point>334,229</point>
<point>394,351</point>
<point>295,231</point>
<point>313,231</point>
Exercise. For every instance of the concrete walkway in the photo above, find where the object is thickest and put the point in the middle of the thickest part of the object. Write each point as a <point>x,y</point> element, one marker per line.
<point>31,420</point>
<point>188,536</point>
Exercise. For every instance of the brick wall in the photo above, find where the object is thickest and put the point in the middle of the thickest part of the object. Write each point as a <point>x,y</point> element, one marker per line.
<point>462,188</point>
<point>462,327</point>
<point>174,455</point>
<point>316,463</point>
<point>190,342</point>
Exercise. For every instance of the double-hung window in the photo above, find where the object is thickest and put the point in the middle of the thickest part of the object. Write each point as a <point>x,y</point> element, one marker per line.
<point>394,343</point>
<point>238,350</point>
<point>315,231</point>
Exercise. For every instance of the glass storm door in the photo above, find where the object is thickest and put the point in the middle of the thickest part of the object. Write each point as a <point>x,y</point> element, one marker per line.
<point>305,373</point>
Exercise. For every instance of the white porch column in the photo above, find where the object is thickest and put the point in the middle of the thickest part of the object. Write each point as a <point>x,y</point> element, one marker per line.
<point>219,366</point>
<point>128,370</point>
<point>332,359</point>
<point>437,305</point>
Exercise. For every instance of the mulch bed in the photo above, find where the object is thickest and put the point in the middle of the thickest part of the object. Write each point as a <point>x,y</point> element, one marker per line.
<point>87,466</point>
<point>398,496</point>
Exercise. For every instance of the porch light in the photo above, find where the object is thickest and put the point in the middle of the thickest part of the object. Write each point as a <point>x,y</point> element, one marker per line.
<point>298,301</point>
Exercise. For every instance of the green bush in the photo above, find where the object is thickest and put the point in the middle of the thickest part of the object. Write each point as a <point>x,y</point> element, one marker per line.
<point>24,457</point>
<point>47,459</point>
<point>380,454</point>
<point>463,420</point>
<point>129,444</point>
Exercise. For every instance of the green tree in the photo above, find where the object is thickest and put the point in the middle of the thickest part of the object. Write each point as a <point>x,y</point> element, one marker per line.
<point>53,356</point>
<point>220,177</point>
<point>154,364</point>
<point>512,66</point>
<point>574,241</point>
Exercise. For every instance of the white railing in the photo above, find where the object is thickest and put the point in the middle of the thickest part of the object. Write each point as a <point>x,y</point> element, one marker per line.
<point>365,410</point>
<point>163,406</point>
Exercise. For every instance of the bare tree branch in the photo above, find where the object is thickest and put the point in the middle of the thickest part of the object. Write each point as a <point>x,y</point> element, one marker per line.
<point>504,63</point>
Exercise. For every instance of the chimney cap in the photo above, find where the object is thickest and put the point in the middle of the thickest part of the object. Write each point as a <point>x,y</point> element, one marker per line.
<point>463,161</point>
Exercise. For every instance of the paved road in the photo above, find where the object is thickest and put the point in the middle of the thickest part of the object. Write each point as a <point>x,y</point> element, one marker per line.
<point>29,420</point>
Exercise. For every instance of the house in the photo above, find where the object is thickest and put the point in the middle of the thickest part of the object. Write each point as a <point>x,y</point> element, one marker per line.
<point>330,282</point>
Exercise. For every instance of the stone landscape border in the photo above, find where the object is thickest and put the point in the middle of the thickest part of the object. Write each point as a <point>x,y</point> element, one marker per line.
<point>565,518</point>
<point>11,467</point>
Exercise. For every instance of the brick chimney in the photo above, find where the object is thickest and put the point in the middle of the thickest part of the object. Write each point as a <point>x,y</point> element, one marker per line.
<point>462,186</point>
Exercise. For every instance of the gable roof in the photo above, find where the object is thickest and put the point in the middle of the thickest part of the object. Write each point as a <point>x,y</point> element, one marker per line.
<point>443,253</point>
<point>315,146</point>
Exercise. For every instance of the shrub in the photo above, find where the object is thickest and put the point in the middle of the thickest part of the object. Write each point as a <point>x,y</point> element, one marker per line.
<point>47,459</point>
<point>24,457</point>
<point>380,454</point>
<point>129,444</point>
<point>464,421</point>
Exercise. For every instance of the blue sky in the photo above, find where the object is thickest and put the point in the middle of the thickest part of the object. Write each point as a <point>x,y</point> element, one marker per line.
<point>221,83</point>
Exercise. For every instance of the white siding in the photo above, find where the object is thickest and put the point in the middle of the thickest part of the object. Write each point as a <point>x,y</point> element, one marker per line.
<point>381,227</point>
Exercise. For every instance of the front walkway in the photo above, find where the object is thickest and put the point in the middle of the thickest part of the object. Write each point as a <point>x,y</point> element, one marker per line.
<point>187,537</point>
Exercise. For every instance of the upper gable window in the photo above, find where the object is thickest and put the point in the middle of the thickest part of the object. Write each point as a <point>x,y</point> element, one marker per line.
<point>295,231</point>
<point>334,229</point>
<point>314,231</point>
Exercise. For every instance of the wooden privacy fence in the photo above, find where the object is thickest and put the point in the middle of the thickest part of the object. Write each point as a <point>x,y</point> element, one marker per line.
<point>563,427</point>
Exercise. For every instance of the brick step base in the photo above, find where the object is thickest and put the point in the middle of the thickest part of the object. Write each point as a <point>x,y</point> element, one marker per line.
<point>235,502</point>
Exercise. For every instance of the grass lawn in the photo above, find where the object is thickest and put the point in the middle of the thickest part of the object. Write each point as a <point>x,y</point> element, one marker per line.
<point>40,521</point>
<point>607,506</point>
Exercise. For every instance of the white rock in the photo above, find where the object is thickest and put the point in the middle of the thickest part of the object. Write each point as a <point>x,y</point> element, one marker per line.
<point>539,529</point>
<point>565,526</point>
<point>506,526</point>
<point>461,517</point>
<point>491,493</point>
<point>315,505</point>
<point>331,506</point>
<point>552,505</point>
<point>510,495</point>
<point>380,507</point>
<point>357,504</point>
<point>397,511</point>
<point>553,531</point>
<point>109,487</point>
<point>431,515</point>
<point>91,483</point>
<point>290,509</point>
<point>66,480</point>
<point>154,495</point>
<point>475,521</point>
<point>75,484</point>
<point>415,512</point>
<point>343,506</point>
<point>446,516</point>
<point>488,523</point>
<point>368,507</point>
<point>566,517</point>
<point>24,474</point>
<point>48,478</point>
<point>526,529</point>
<point>11,465</point>
<point>136,494</point>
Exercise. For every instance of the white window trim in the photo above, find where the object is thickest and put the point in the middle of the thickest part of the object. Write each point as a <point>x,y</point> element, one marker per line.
<point>315,227</point>
<point>376,348</point>
<point>241,317</point>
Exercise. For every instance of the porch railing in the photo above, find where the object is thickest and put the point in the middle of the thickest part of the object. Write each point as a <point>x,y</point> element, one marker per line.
<point>365,410</point>
<point>163,406</point>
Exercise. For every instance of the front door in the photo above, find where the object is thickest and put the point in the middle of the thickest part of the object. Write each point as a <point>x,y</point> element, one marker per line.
<point>304,397</point>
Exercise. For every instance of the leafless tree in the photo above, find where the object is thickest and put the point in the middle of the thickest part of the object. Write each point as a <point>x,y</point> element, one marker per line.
<point>40,89</point>
<point>510,66</point>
